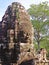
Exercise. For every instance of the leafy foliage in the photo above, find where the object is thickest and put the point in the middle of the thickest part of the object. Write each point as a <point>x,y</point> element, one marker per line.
<point>40,20</point>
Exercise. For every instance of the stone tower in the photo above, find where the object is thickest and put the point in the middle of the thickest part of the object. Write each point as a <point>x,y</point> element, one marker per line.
<point>17,33</point>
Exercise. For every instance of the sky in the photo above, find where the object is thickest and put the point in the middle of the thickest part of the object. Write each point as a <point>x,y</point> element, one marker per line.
<point>26,3</point>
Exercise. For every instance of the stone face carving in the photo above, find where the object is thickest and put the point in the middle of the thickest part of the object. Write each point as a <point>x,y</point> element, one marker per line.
<point>19,31</point>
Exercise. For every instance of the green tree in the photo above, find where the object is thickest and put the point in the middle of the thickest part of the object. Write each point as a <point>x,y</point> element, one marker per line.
<point>40,20</point>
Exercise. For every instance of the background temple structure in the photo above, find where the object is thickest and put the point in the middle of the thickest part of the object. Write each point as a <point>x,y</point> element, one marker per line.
<point>16,36</point>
